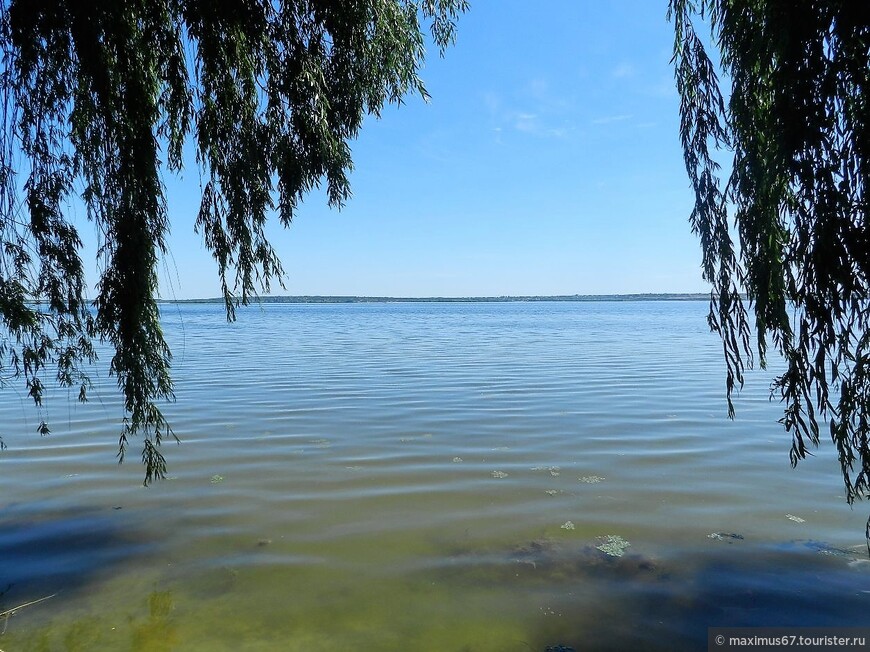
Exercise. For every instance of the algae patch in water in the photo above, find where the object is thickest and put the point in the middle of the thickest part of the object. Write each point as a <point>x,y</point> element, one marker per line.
<point>499,474</point>
<point>554,470</point>
<point>78,631</point>
<point>613,545</point>
<point>216,479</point>
<point>407,440</point>
<point>729,537</point>
<point>567,525</point>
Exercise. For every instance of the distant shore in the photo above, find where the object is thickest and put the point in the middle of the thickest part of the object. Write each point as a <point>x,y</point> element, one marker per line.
<point>502,299</point>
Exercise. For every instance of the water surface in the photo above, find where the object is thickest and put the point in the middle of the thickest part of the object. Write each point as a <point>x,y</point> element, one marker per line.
<point>426,476</point>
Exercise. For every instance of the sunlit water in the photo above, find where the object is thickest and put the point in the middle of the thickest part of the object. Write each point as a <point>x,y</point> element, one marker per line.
<point>433,477</point>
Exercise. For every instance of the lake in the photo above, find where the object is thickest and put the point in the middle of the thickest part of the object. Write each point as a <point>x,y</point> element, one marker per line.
<point>442,477</point>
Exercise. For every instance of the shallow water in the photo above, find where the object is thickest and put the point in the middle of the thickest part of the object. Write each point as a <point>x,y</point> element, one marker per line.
<point>402,477</point>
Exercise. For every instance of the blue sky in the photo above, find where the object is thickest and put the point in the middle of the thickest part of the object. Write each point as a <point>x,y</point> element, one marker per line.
<point>547,162</point>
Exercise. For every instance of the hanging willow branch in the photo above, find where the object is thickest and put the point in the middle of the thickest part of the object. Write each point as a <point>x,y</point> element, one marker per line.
<point>101,96</point>
<point>796,125</point>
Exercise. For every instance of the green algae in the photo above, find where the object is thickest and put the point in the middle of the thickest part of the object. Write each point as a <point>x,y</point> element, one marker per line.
<point>612,545</point>
<point>728,537</point>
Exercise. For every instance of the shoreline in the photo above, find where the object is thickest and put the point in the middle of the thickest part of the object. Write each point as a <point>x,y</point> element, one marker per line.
<point>499,299</point>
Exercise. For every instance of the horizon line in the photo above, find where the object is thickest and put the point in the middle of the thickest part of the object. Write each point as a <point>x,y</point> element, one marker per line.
<point>350,298</point>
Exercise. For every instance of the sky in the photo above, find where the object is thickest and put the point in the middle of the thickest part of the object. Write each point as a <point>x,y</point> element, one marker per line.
<point>547,162</point>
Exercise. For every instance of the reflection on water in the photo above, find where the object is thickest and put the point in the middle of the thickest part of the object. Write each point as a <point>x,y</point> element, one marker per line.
<point>47,552</point>
<point>395,477</point>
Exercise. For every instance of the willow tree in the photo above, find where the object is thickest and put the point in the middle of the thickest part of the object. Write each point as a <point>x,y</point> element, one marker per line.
<point>99,98</point>
<point>785,220</point>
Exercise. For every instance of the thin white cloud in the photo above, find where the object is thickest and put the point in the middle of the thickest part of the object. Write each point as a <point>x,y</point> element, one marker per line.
<point>530,123</point>
<point>623,70</point>
<point>667,88</point>
<point>538,88</point>
<point>609,119</point>
<point>535,112</point>
<point>541,94</point>
<point>492,102</point>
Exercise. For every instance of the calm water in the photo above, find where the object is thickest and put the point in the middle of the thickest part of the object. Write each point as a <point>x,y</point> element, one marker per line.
<point>433,477</point>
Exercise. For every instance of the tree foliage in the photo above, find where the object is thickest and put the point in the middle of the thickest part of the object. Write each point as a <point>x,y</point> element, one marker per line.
<point>788,224</point>
<point>100,97</point>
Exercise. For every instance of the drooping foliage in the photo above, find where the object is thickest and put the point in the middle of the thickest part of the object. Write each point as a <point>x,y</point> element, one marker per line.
<point>99,98</point>
<point>785,221</point>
